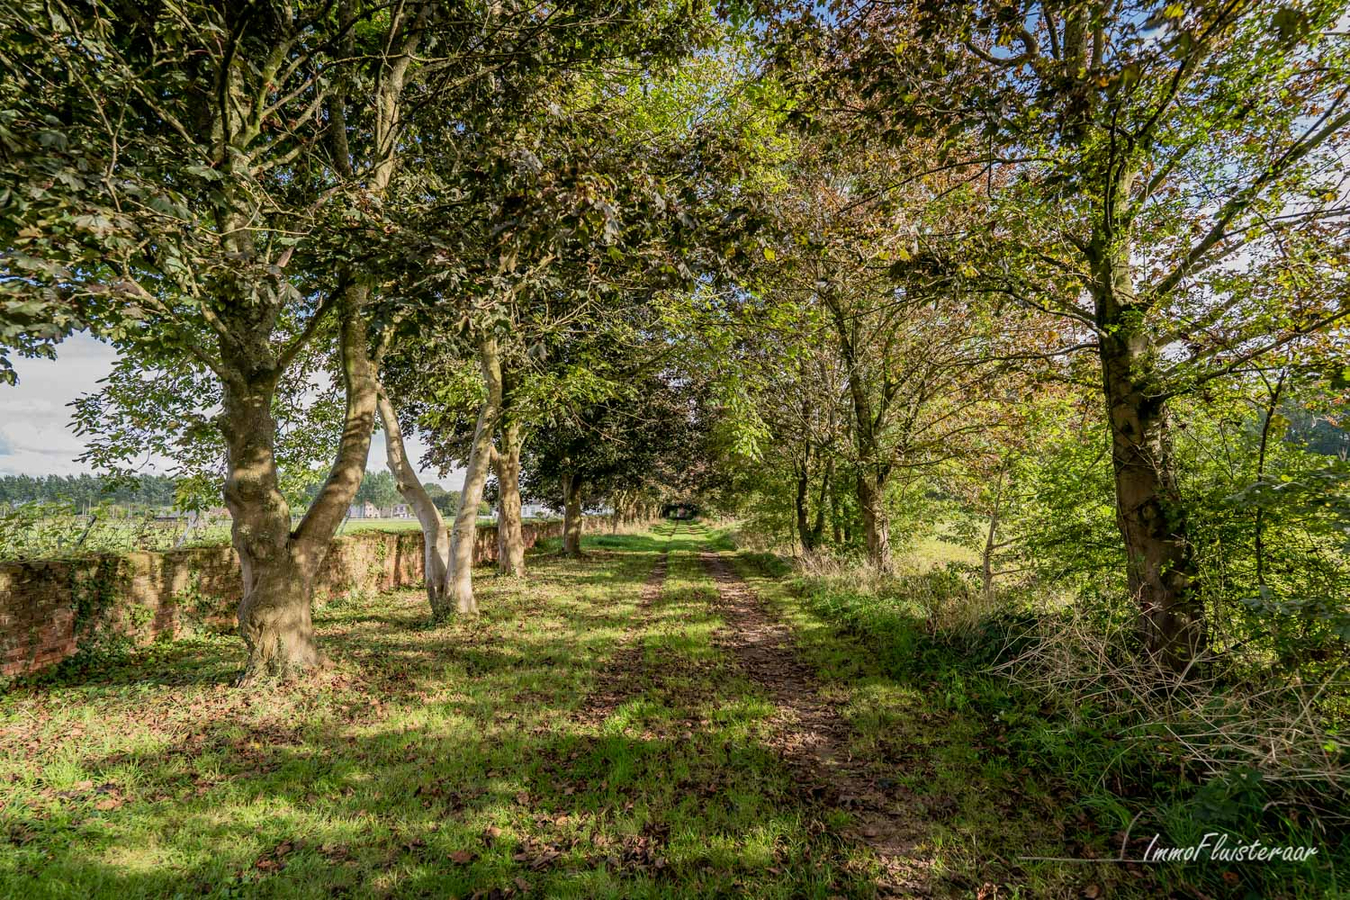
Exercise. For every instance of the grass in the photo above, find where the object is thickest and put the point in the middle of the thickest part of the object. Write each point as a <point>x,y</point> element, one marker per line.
<point>469,758</point>
<point>431,761</point>
<point>1005,774</point>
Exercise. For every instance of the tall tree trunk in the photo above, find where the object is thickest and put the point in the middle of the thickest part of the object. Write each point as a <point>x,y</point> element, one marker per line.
<point>803,515</point>
<point>1160,561</point>
<point>278,566</point>
<point>274,613</point>
<point>987,556</point>
<point>435,537</point>
<point>876,524</point>
<point>872,469</point>
<point>459,580</point>
<point>571,485</point>
<point>836,517</point>
<point>510,528</point>
<point>818,529</point>
<point>1271,409</point>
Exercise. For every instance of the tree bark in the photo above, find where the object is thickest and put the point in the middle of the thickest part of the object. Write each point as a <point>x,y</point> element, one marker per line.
<point>803,515</point>
<point>571,485</point>
<point>876,524</point>
<point>1160,561</point>
<point>274,615</point>
<point>818,529</point>
<point>435,537</point>
<point>510,528</point>
<point>836,518</point>
<point>279,566</point>
<point>459,580</point>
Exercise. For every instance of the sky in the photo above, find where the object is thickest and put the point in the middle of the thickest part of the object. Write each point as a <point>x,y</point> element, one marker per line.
<point>36,437</point>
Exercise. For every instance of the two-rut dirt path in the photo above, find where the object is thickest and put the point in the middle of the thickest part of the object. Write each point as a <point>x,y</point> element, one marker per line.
<point>810,735</point>
<point>806,732</point>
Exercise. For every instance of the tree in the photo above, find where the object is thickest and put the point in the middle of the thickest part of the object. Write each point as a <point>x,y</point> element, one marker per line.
<point>194,164</point>
<point>854,302</point>
<point>1143,151</point>
<point>378,489</point>
<point>610,447</point>
<point>576,208</point>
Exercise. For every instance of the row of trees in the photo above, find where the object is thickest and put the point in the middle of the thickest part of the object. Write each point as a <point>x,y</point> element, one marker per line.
<point>87,490</point>
<point>837,264</point>
<point>242,197</point>
<point>1001,216</point>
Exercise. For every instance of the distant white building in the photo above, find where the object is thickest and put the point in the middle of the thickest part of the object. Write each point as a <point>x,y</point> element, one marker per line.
<point>365,510</point>
<point>400,511</point>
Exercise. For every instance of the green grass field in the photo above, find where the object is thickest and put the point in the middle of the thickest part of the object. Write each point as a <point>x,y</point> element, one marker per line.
<point>432,761</point>
<point>566,743</point>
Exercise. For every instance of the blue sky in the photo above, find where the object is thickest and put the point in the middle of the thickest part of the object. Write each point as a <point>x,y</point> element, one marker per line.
<point>36,437</point>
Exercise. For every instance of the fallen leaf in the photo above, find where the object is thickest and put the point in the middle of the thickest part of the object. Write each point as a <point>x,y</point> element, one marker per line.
<point>462,857</point>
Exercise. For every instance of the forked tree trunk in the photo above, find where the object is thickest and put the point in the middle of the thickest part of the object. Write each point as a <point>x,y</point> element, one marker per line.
<point>872,471</point>
<point>876,524</point>
<point>459,580</point>
<point>279,566</point>
<point>435,537</point>
<point>1160,560</point>
<point>571,485</point>
<point>510,528</point>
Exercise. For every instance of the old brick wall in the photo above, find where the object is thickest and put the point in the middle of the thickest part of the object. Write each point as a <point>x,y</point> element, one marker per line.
<point>50,608</point>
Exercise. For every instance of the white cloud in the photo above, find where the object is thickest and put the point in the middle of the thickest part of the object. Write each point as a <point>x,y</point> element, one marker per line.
<point>415,448</point>
<point>35,433</point>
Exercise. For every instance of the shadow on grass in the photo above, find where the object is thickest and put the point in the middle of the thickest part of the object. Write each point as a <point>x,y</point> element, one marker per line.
<point>1002,773</point>
<point>433,762</point>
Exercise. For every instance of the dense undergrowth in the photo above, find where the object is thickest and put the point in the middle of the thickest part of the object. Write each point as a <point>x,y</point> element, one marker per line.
<point>1062,705</point>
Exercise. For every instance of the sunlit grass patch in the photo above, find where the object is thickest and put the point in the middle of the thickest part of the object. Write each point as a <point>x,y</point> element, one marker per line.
<point>430,760</point>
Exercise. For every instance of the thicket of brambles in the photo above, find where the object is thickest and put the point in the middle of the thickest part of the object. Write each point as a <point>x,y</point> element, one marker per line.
<point>1020,325</point>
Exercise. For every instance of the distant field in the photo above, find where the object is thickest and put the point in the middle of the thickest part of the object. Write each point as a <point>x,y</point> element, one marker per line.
<point>354,525</point>
<point>27,536</point>
<point>933,553</point>
<point>351,526</point>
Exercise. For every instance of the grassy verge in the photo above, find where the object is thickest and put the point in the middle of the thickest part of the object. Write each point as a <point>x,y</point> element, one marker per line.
<point>1004,773</point>
<point>431,761</point>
